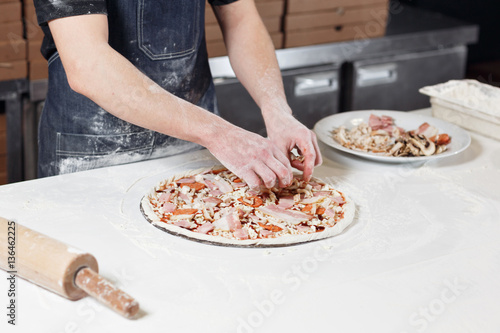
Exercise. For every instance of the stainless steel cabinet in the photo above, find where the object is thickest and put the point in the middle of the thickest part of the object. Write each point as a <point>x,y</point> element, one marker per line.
<point>312,93</point>
<point>392,82</point>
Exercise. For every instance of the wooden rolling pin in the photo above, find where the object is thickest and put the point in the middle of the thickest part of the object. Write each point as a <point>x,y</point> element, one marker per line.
<point>59,268</point>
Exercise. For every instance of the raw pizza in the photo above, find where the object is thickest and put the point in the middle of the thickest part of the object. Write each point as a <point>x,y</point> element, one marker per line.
<point>215,206</point>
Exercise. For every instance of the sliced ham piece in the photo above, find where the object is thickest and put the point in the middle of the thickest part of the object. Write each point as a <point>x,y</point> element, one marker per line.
<point>211,201</point>
<point>215,193</point>
<point>338,200</point>
<point>184,224</point>
<point>293,217</point>
<point>286,202</point>
<point>386,120</point>
<point>303,228</point>
<point>168,207</point>
<point>185,197</point>
<point>213,183</point>
<point>205,228</point>
<point>427,130</point>
<point>241,234</point>
<point>165,197</point>
<point>321,193</point>
<point>229,222</point>
<point>330,213</point>
<point>380,123</point>
<point>187,180</point>
<point>375,122</point>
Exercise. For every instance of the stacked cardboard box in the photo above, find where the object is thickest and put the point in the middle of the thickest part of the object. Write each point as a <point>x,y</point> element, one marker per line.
<point>12,43</point>
<point>3,149</point>
<point>271,11</point>
<point>36,62</point>
<point>310,22</point>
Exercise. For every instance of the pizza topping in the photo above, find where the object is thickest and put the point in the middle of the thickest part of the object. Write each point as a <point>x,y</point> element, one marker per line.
<point>217,183</point>
<point>230,221</point>
<point>184,224</point>
<point>271,227</point>
<point>286,202</point>
<point>241,234</point>
<point>168,207</point>
<point>195,185</point>
<point>211,201</point>
<point>252,201</point>
<point>205,228</point>
<point>188,180</point>
<point>221,204</point>
<point>185,211</point>
<point>291,216</point>
<point>165,197</point>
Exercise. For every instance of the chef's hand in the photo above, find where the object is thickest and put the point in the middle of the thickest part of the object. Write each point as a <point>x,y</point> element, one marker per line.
<point>288,133</point>
<point>257,160</point>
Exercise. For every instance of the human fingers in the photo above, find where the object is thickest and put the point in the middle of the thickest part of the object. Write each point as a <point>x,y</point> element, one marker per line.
<point>282,168</point>
<point>251,178</point>
<point>319,158</point>
<point>266,175</point>
<point>308,151</point>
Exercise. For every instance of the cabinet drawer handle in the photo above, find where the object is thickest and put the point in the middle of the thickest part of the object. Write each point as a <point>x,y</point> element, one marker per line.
<point>376,74</point>
<point>315,84</point>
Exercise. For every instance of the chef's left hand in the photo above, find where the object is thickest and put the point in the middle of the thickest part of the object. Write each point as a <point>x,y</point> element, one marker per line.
<point>287,133</point>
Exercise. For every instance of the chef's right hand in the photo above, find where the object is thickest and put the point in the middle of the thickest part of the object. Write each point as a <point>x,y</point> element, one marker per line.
<point>257,160</point>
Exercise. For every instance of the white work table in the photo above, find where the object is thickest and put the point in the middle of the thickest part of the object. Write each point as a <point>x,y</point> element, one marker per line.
<point>422,255</point>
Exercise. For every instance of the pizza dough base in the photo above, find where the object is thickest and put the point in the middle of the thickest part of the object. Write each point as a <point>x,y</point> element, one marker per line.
<point>150,215</point>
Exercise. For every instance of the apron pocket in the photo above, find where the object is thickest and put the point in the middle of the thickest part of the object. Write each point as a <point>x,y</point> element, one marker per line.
<point>79,152</point>
<point>168,29</point>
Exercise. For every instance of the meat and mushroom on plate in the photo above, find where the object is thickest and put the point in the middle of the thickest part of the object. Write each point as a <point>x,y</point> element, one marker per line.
<point>381,135</point>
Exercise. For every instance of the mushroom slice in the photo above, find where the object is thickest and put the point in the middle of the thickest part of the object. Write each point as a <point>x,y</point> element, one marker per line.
<point>395,149</point>
<point>426,146</point>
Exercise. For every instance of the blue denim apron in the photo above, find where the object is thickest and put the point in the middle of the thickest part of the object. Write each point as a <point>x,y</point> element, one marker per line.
<point>163,39</point>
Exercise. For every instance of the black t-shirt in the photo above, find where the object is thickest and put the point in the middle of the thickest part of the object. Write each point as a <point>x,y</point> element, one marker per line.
<point>47,10</point>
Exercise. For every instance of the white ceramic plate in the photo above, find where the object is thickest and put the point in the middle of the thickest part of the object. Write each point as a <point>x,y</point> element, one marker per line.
<point>460,139</point>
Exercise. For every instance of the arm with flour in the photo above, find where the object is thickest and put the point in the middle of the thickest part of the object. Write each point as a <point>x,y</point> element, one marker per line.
<point>100,73</point>
<point>253,59</point>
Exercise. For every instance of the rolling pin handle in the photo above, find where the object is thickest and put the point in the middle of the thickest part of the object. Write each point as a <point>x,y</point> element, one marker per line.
<point>106,293</point>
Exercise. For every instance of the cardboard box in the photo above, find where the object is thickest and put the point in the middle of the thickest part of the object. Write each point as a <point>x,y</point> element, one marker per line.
<point>13,70</point>
<point>39,69</point>
<point>11,31</point>
<point>32,29</point>
<point>330,18</point>
<point>10,12</point>
<point>3,142</point>
<point>277,38</point>
<point>217,48</point>
<point>3,165</point>
<point>356,31</point>
<point>15,50</point>
<point>299,6</point>
<point>34,53</point>
<point>273,23</point>
<point>209,15</point>
<point>271,8</point>
<point>213,32</point>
